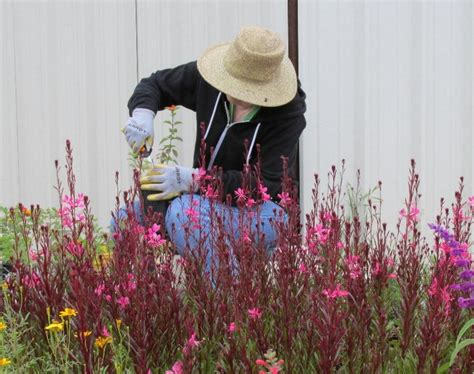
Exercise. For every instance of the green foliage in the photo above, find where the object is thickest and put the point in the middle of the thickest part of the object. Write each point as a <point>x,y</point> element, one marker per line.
<point>460,345</point>
<point>167,152</point>
<point>11,222</point>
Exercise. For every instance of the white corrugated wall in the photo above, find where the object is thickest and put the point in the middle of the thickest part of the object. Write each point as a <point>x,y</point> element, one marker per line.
<point>386,82</point>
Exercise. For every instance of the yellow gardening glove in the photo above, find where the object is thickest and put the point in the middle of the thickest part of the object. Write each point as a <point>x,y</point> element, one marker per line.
<point>169,181</point>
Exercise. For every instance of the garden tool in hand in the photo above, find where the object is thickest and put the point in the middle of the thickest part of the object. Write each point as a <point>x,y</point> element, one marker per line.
<point>139,131</point>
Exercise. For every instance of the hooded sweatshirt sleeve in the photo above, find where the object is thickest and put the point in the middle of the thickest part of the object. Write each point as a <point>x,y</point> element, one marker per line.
<point>167,87</point>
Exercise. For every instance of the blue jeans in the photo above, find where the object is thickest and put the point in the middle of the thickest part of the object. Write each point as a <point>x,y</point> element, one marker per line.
<point>189,227</point>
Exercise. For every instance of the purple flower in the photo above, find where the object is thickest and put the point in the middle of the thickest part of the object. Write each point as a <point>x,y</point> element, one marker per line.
<point>441,231</point>
<point>467,274</point>
<point>462,262</point>
<point>456,287</point>
<point>468,286</point>
<point>466,303</point>
<point>458,251</point>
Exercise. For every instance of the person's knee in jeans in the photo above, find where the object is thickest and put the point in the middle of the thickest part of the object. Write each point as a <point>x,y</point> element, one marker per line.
<point>122,215</point>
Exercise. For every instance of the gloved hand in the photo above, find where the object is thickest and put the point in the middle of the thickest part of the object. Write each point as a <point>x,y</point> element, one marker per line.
<point>139,129</point>
<point>169,180</point>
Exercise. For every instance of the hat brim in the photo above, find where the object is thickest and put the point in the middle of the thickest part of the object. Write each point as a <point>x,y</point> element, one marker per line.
<point>280,91</point>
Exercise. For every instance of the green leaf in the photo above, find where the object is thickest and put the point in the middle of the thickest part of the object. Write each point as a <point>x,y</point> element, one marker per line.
<point>458,348</point>
<point>463,330</point>
<point>443,368</point>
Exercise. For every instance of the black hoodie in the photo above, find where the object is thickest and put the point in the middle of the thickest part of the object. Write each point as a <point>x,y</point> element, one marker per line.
<point>275,129</point>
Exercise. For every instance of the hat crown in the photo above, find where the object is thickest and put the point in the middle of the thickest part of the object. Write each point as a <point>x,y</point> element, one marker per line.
<point>255,54</point>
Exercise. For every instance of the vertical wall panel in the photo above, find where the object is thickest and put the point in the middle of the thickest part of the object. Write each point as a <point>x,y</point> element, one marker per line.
<point>411,80</point>
<point>9,171</point>
<point>386,82</point>
<point>74,66</point>
<point>172,32</point>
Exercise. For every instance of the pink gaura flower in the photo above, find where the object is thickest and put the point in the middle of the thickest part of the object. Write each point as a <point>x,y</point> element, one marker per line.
<point>443,293</point>
<point>154,239</point>
<point>210,192</point>
<point>200,176</point>
<point>31,280</point>
<point>412,214</point>
<point>285,199</point>
<point>250,202</point>
<point>176,369</point>
<point>335,293</point>
<point>123,301</point>
<point>327,216</point>
<point>303,269</point>
<point>352,263</point>
<point>273,368</point>
<point>231,327</point>
<point>138,229</point>
<point>321,233</point>
<point>100,289</point>
<point>105,333</point>
<point>131,283</point>
<point>241,195</point>
<point>193,215</point>
<point>377,269</point>
<point>263,192</point>
<point>33,254</point>
<point>339,245</point>
<point>75,249</point>
<point>392,276</point>
<point>191,344</point>
<point>255,313</point>
<point>69,204</point>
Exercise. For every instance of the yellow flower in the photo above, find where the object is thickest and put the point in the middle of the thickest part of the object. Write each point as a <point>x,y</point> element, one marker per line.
<point>3,325</point>
<point>55,326</point>
<point>26,211</point>
<point>68,312</point>
<point>84,334</point>
<point>4,285</point>
<point>102,341</point>
<point>102,258</point>
<point>4,361</point>
<point>118,322</point>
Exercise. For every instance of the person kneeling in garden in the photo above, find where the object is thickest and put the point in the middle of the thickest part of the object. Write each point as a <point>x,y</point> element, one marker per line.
<point>247,93</point>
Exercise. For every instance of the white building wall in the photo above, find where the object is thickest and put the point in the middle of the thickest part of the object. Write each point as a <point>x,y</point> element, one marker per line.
<point>67,71</point>
<point>386,81</point>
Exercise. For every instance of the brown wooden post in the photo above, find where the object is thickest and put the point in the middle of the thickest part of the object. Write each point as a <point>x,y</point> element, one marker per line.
<point>293,32</point>
<point>293,54</point>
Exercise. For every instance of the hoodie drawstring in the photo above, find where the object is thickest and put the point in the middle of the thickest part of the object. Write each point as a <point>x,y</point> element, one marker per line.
<point>253,143</point>
<point>212,116</point>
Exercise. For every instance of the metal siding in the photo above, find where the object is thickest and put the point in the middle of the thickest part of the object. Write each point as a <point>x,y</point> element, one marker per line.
<point>75,66</point>
<point>9,171</point>
<point>396,77</point>
<point>386,81</point>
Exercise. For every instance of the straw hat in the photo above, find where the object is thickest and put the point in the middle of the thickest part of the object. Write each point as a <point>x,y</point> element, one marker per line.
<point>253,68</point>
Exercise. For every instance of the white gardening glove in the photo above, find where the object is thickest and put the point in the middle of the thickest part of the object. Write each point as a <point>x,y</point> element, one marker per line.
<point>170,181</point>
<point>139,129</point>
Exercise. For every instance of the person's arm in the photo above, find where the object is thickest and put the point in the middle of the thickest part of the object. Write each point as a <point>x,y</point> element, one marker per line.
<point>167,87</point>
<point>280,140</point>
